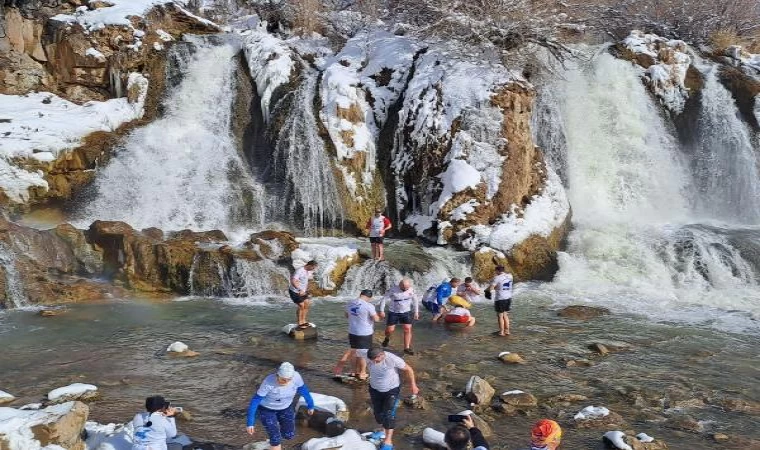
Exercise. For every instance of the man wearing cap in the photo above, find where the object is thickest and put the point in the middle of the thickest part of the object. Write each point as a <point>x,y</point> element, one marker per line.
<point>377,226</point>
<point>154,427</point>
<point>400,299</point>
<point>299,282</point>
<point>385,389</point>
<point>501,288</point>
<point>361,327</point>
<point>274,404</point>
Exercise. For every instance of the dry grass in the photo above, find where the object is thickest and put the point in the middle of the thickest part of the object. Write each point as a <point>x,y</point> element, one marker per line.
<point>308,17</point>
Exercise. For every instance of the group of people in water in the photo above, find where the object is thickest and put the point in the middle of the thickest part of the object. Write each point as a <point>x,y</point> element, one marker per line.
<point>448,302</point>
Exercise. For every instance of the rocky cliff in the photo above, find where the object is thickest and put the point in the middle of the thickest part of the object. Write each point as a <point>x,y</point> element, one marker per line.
<point>98,71</point>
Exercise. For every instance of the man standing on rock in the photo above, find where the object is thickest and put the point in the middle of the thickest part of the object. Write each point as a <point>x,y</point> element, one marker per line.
<point>501,290</point>
<point>385,389</point>
<point>378,225</point>
<point>361,316</point>
<point>400,299</point>
<point>299,283</point>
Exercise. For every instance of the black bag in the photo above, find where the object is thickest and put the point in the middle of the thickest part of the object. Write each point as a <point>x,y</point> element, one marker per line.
<point>487,293</point>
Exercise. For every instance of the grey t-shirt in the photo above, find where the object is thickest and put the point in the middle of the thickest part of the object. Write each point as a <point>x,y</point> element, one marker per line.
<point>383,376</point>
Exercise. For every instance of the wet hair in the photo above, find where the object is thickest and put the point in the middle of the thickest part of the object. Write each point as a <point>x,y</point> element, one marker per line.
<point>455,280</point>
<point>457,437</point>
<point>468,280</point>
<point>155,403</point>
<point>374,352</point>
<point>311,263</point>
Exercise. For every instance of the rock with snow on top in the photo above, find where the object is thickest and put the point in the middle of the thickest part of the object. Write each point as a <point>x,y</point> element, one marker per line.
<point>178,347</point>
<point>328,403</point>
<point>433,438</point>
<point>76,391</point>
<point>55,427</point>
<point>6,398</point>
<point>511,358</point>
<point>592,413</point>
<point>300,334</point>
<point>518,398</point>
<point>645,438</point>
<point>350,440</point>
<point>479,391</point>
<point>616,439</point>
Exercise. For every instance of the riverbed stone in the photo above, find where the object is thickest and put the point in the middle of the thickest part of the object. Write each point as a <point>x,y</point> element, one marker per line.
<point>685,423</point>
<point>611,421</point>
<point>511,358</point>
<point>519,399</point>
<point>479,391</point>
<point>581,312</point>
<point>418,402</point>
<point>599,348</point>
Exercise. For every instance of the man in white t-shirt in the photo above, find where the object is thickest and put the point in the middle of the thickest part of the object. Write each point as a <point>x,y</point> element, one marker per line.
<point>299,284</point>
<point>385,389</point>
<point>361,317</point>
<point>377,226</point>
<point>400,301</point>
<point>469,290</point>
<point>501,291</point>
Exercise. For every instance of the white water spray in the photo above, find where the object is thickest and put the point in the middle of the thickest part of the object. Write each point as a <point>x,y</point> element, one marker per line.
<point>14,289</point>
<point>634,246</point>
<point>183,170</point>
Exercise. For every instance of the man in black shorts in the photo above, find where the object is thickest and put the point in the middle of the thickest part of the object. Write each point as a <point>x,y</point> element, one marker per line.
<point>501,290</point>
<point>404,309</point>
<point>299,282</point>
<point>361,327</point>
<point>378,225</point>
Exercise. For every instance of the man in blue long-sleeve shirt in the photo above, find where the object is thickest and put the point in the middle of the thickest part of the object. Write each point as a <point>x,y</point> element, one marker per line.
<point>274,404</point>
<point>442,294</point>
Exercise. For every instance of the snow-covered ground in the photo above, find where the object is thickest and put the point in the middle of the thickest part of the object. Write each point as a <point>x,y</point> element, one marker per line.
<point>72,390</point>
<point>39,126</point>
<point>118,13</point>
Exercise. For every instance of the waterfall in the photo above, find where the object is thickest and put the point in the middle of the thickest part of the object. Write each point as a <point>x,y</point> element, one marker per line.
<point>183,170</point>
<point>14,289</point>
<point>725,165</point>
<point>257,278</point>
<point>311,196</point>
<point>640,242</point>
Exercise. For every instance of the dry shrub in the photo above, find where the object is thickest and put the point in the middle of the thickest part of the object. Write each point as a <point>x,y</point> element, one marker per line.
<point>308,17</point>
<point>723,38</point>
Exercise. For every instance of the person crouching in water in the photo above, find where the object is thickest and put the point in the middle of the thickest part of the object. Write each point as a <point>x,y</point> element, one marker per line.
<point>458,311</point>
<point>155,427</point>
<point>274,404</point>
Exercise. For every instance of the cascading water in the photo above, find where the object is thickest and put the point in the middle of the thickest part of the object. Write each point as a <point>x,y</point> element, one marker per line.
<point>724,161</point>
<point>301,159</point>
<point>14,290</point>
<point>637,244</point>
<point>183,170</point>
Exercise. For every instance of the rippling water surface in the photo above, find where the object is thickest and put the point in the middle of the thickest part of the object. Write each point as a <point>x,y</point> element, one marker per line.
<point>119,346</point>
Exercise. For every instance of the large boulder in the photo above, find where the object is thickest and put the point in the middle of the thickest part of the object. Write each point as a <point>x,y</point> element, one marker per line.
<point>479,391</point>
<point>61,425</point>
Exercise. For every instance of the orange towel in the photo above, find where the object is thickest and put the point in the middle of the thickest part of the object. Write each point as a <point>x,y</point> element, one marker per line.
<point>545,435</point>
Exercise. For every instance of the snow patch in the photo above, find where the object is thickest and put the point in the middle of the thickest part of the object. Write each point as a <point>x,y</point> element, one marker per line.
<point>545,212</point>
<point>6,397</point>
<point>617,438</point>
<point>349,440</point>
<point>164,36</point>
<point>94,53</point>
<point>177,347</point>
<point>514,392</point>
<point>16,426</point>
<point>327,403</point>
<point>72,390</point>
<point>667,76</point>
<point>109,437</point>
<point>592,412</point>
<point>645,438</point>
<point>433,437</point>
<point>270,61</point>
<point>327,258</point>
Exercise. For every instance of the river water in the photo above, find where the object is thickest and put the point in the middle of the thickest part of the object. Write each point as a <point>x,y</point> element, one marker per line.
<point>668,371</point>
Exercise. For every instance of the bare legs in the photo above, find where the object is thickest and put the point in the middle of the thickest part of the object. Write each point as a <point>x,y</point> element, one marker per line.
<point>503,324</point>
<point>302,312</point>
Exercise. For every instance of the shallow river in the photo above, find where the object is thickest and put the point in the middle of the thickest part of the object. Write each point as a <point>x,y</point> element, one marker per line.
<point>668,370</point>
